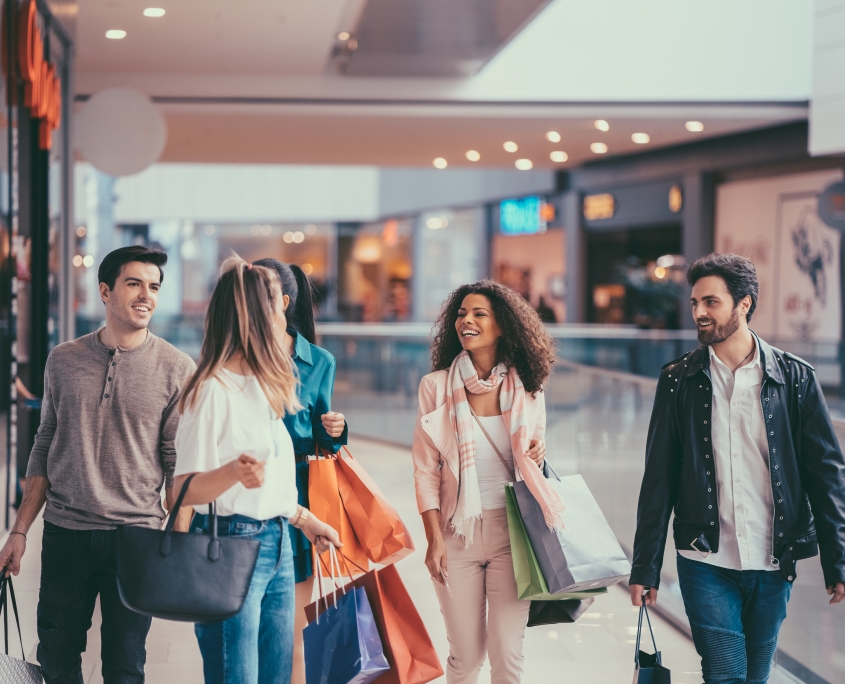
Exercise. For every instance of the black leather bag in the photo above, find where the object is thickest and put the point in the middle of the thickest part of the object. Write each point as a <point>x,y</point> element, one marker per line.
<point>648,667</point>
<point>182,576</point>
<point>557,612</point>
<point>14,670</point>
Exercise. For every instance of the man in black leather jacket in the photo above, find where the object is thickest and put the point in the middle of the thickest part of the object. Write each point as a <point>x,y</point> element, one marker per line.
<point>741,448</point>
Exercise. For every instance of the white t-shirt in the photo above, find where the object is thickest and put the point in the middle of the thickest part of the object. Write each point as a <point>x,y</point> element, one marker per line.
<point>231,416</point>
<point>491,472</point>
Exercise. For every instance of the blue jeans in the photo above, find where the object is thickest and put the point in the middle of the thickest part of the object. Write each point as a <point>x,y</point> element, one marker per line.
<point>256,645</point>
<point>76,567</point>
<point>735,618</point>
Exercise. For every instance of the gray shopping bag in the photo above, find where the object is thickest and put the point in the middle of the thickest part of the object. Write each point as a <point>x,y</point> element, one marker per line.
<point>586,554</point>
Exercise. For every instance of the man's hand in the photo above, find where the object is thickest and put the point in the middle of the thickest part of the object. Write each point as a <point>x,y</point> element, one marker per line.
<point>11,554</point>
<point>637,595</point>
<point>333,423</point>
<point>837,593</point>
<point>537,451</point>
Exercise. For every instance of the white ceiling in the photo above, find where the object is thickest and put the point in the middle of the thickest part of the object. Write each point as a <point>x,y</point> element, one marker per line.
<point>263,90</point>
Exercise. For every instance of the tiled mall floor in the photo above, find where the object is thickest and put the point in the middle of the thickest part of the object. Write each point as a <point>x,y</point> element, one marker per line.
<point>598,649</point>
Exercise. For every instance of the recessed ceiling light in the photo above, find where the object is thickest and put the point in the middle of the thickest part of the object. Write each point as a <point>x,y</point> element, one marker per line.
<point>695,126</point>
<point>510,146</point>
<point>154,12</point>
<point>523,164</point>
<point>77,260</point>
<point>473,155</point>
<point>115,34</point>
<point>343,35</point>
<point>602,125</point>
<point>640,138</point>
<point>553,136</point>
<point>558,156</point>
<point>598,148</point>
<point>440,163</point>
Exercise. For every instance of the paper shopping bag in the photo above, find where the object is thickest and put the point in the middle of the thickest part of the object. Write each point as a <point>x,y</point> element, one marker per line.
<point>324,502</point>
<point>648,667</point>
<point>380,531</point>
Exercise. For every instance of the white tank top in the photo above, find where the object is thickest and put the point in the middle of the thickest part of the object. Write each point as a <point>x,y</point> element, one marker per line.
<point>492,474</point>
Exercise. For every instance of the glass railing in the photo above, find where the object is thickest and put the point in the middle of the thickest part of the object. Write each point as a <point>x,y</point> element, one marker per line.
<point>598,401</point>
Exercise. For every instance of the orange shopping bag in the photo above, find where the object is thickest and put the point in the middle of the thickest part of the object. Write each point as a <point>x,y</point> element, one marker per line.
<point>383,536</point>
<point>404,638</point>
<point>325,502</point>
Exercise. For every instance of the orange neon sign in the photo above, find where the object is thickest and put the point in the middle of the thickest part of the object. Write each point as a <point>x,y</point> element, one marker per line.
<point>42,86</point>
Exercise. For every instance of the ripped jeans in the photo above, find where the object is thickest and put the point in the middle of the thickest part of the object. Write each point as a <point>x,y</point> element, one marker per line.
<point>76,566</point>
<point>735,616</point>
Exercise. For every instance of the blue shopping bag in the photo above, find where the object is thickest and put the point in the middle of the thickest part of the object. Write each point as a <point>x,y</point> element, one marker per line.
<point>342,645</point>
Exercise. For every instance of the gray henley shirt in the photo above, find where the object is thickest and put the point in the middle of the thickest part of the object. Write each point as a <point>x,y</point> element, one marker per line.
<point>108,421</point>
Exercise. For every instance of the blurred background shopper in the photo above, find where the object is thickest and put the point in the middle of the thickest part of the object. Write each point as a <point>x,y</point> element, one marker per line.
<point>314,426</point>
<point>233,435</point>
<point>104,450</point>
<point>482,416</point>
<point>742,450</point>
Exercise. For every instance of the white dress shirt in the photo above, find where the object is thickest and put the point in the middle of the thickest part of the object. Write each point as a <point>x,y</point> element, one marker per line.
<point>741,458</point>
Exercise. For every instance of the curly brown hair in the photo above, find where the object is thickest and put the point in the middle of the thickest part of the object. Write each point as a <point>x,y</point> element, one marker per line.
<point>525,344</point>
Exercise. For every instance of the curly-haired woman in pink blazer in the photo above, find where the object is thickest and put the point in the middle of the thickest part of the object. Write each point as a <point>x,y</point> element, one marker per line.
<point>482,422</point>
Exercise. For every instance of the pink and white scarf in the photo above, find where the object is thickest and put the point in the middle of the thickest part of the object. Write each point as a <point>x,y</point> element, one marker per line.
<point>462,377</point>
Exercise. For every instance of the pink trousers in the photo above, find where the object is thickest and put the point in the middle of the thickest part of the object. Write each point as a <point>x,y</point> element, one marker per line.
<point>483,616</point>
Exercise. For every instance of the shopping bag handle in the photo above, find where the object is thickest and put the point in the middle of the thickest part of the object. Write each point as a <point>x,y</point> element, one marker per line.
<point>4,608</point>
<point>643,609</point>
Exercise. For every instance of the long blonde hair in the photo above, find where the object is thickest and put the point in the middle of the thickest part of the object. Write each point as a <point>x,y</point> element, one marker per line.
<point>239,321</point>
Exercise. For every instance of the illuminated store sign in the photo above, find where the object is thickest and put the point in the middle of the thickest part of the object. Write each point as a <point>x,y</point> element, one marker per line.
<point>43,88</point>
<point>598,207</point>
<point>525,216</point>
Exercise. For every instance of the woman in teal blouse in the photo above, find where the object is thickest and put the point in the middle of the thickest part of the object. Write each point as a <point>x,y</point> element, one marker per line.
<point>315,425</point>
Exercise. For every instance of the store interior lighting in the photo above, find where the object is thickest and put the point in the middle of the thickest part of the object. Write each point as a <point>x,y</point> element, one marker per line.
<point>473,155</point>
<point>115,34</point>
<point>440,163</point>
<point>694,126</point>
<point>598,148</point>
<point>343,35</point>
<point>558,156</point>
<point>524,164</point>
<point>553,136</point>
<point>602,125</point>
<point>641,138</point>
<point>436,223</point>
<point>510,146</point>
<point>154,12</point>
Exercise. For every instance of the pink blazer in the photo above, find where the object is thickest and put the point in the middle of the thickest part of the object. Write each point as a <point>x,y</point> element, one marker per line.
<point>435,450</point>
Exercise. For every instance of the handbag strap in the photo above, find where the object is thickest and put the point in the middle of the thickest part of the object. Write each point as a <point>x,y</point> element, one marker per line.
<point>166,540</point>
<point>4,607</point>
<point>643,609</point>
<point>495,448</point>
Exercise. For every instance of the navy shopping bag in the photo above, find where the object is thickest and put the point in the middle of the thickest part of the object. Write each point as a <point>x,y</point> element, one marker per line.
<point>648,667</point>
<point>342,645</point>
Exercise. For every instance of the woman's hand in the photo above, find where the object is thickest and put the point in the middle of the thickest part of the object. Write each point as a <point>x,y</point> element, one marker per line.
<point>435,560</point>
<point>537,451</point>
<point>248,471</point>
<point>333,423</point>
<point>320,534</point>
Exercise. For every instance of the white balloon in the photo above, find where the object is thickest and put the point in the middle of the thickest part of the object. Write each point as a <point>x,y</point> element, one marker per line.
<point>120,131</point>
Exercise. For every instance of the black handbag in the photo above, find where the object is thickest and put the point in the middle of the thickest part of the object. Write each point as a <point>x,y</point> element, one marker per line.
<point>14,670</point>
<point>183,576</point>
<point>648,667</point>
<point>557,612</point>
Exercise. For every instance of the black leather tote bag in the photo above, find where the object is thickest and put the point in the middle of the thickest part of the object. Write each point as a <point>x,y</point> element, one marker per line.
<point>13,670</point>
<point>648,667</point>
<point>182,576</point>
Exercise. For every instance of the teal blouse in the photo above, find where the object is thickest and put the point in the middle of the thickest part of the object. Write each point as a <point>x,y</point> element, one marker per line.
<point>316,369</point>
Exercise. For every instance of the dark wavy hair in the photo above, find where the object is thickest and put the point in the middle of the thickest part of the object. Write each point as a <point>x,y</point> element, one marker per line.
<point>525,344</point>
<point>738,272</point>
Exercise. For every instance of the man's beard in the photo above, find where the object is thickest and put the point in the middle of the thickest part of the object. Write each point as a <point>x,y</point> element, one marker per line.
<point>716,334</point>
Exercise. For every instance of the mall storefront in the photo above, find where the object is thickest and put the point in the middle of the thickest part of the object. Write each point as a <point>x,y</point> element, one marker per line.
<point>35,309</point>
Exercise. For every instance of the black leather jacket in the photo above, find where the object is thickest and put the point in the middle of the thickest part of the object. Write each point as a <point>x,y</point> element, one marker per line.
<point>807,470</point>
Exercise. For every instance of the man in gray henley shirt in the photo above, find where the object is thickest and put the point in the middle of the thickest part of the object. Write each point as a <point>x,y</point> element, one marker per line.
<point>103,452</point>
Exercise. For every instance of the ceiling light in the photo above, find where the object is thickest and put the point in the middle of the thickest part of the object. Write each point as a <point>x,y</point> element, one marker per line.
<point>510,146</point>
<point>695,126</point>
<point>298,236</point>
<point>154,12</point>
<point>88,261</point>
<point>473,156</point>
<point>440,163</point>
<point>602,125</point>
<point>558,156</point>
<point>640,138</point>
<point>115,34</point>
<point>523,164</point>
<point>343,35</point>
<point>598,148</point>
<point>81,231</point>
<point>436,223</point>
<point>77,260</point>
<point>288,237</point>
<point>553,136</point>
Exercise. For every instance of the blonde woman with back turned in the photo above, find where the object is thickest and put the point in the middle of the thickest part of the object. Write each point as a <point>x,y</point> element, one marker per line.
<point>232,437</point>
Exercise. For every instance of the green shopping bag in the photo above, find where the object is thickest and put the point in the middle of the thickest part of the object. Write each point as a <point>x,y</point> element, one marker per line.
<point>530,584</point>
